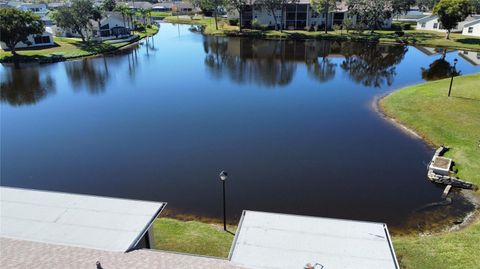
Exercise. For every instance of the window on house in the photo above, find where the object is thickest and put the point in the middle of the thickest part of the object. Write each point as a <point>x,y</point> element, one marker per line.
<point>470,30</point>
<point>435,25</point>
<point>41,39</point>
<point>423,25</point>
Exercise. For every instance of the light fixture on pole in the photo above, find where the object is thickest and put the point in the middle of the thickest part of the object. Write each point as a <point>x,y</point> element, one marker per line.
<point>223,177</point>
<point>454,70</point>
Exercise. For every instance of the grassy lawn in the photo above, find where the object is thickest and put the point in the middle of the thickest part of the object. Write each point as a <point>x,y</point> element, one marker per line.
<point>413,37</point>
<point>192,237</point>
<point>454,122</point>
<point>71,48</point>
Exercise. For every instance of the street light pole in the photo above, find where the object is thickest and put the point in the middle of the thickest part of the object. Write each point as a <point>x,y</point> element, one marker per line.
<point>223,177</point>
<point>453,74</point>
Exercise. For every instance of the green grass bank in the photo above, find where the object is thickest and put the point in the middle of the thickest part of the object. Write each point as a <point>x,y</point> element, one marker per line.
<point>411,37</point>
<point>453,121</point>
<point>70,48</point>
<point>193,237</point>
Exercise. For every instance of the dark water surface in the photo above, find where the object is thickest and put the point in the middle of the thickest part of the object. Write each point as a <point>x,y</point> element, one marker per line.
<point>291,121</point>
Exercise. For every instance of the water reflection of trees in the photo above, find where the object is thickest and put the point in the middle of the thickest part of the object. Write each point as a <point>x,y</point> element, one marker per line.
<point>370,64</point>
<point>439,69</point>
<point>273,63</point>
<point>93,74</point>
<point>245,60</point>
<point>25,86</point>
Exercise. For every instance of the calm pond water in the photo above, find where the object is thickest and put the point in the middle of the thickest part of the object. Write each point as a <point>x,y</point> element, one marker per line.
<point>292,123</point>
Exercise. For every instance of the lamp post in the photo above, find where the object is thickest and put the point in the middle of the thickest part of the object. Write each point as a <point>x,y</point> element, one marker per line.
<point>223,177</point>
<point>453,74</point>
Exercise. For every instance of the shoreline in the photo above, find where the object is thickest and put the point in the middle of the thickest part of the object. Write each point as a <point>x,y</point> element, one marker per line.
<point>303,36</point>
<point>58,58</point>
<point>472,217</point>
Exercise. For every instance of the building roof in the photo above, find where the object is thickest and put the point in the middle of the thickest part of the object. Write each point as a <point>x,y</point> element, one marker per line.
<point>75,220</point>
<point>428,18</point>
<point>471,23</point>
<point>270,240</point>
<point>140,5</point>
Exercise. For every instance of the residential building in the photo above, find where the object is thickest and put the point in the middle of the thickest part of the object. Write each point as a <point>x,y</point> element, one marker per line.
<point>111,25</point>
<point>472,28</point>
<point>43,40</point>
<point>412,15</point>
<point>177,7</point>
<point>295,16</point>
<point>432,23</point>
<point>139,5</point>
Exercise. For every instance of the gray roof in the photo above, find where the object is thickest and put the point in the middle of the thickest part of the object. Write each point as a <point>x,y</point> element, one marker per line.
<point>472,23</point>
<point>271,240</point>
<point>75,220</point>
<point>140,5</point>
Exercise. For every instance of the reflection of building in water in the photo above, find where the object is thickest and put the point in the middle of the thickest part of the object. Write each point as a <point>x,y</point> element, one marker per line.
<point>274,62</point>
<point>428,51</point>
<point>473,57</point>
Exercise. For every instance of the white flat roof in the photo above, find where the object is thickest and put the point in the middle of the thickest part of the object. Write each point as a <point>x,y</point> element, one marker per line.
<point>75,220</point>
<point>270,240</point>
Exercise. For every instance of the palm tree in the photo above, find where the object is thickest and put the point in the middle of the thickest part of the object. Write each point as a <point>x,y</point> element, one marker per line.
<point>123,9</point>
<point>143,12</point>
<point>149,12</point>
<point>97,15</point>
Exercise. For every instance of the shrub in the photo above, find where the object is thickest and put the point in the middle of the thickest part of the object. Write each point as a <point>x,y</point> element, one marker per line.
<point>406,26</point>
<point>336,27</point>
<point>347,24</point>
<point>360,27</point>
<point>233,22</point>
<point>399,33</point>
<point>149,26</point>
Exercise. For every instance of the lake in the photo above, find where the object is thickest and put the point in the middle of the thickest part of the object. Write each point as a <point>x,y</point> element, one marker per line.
<point>291,121</point>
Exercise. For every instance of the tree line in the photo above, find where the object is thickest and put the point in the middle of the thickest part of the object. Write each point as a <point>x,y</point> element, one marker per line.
<point>369,13</point>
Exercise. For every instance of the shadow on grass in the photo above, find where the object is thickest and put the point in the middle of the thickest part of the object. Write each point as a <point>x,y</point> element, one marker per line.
<point>473,41</point>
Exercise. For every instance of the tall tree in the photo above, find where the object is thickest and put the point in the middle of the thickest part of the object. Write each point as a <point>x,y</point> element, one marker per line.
<point>400,7</point>
<point>109,5</point>
<point>212,6</point>
<point>237,5</point>
<point>272,6</point>
<point>16,26</point>
<point>451,12</point>
<point>372,13</point>
<point>76,17</point>
<point>325,7</point>
<point>123,9</point>
<point>97,15</point>
<point>426,5</point>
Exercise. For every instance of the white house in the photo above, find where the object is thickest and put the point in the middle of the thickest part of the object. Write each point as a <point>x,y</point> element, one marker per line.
<point>433,24</point>
<point>45,39</point>
<point>472,28</point>
<point>296,16</point>
<point>39,9</point>
<point>111,26</point>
